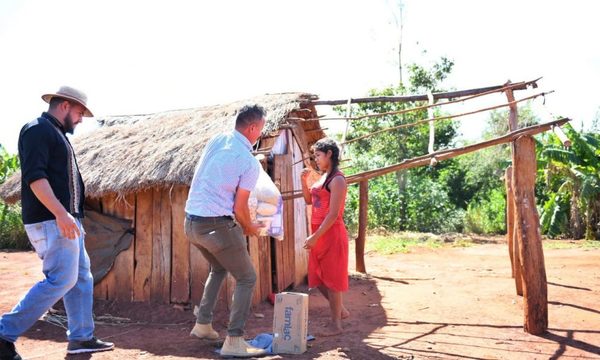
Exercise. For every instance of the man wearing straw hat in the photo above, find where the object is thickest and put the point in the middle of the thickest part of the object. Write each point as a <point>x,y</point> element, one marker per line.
<point>52,195</point>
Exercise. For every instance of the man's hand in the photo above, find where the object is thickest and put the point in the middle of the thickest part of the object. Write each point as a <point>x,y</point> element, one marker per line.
<point>68,226</point>
<point>253,229</point>
<point>64,221</point>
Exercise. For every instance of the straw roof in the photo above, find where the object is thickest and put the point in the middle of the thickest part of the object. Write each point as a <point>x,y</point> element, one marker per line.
<point>129,153</point>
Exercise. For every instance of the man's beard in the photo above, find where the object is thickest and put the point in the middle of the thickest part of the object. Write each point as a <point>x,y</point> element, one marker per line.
<point>68,124</point>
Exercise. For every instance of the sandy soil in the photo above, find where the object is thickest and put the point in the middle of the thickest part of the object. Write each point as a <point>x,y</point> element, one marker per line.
<point>429,304</point>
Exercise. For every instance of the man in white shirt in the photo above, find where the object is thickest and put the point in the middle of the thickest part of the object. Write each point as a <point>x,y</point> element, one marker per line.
<point>224,177</point>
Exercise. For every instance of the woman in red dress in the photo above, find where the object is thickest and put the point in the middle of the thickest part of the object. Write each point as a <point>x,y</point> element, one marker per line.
<point>328,244</point>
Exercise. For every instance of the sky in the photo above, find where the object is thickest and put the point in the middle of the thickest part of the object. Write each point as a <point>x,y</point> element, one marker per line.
<point>135,57</point>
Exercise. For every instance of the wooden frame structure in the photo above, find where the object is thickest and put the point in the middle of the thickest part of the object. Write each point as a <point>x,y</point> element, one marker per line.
<point>523,234</point>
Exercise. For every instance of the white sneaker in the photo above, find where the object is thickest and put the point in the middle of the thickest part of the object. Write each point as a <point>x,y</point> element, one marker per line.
<point>204,331</point>
<point>236,346</point>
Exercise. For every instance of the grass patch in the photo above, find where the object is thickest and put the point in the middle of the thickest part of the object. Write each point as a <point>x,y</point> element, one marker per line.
<point>463,242</point>
<point>401,243</point>
<point>571,244</point>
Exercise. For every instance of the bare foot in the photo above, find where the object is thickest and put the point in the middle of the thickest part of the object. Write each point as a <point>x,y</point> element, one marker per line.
<point>345,313</point>
<point>330,330</point>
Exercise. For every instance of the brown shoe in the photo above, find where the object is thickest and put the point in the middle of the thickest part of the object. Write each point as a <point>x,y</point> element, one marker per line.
<point>204,331</point>
<point>236,346</point>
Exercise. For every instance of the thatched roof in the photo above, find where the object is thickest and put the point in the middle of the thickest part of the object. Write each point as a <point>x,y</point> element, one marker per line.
<point>129,153</point>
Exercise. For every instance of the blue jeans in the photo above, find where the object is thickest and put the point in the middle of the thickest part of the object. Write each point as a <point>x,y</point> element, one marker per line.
<point>66,266</point>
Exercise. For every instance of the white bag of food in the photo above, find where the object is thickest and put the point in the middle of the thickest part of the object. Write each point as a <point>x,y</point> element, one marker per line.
<point>265,190</point>
<point>266,206</point>
<point>266,209</point>
<point>276,226</point>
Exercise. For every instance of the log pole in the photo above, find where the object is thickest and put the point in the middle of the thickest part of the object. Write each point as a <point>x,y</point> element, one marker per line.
<point>513,239</point>
<point>562,136</point>
<point>363,205</point>
<point>527,225</point>
<point>511,234</point>
<point>510,216</point>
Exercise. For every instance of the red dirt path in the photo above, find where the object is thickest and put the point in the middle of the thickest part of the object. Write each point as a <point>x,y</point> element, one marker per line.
<point>443,303</point>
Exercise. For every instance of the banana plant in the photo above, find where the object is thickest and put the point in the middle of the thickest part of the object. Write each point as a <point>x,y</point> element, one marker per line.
<point>572,184</point>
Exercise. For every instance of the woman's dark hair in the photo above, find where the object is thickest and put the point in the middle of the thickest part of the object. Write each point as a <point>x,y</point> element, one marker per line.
<point>324,145</point>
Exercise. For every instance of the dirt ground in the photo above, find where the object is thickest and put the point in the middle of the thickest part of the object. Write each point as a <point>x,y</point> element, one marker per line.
<point>444,303</point>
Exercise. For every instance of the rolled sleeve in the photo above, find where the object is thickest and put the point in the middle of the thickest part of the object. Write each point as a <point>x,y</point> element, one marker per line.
<point>34,152</point>
<point>249,177</point>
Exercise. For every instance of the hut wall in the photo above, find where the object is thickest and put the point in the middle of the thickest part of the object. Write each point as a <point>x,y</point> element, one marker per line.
<point>301,229</point>
<point>291,259</point>
<point>118,283</point>
<point>161,265</point>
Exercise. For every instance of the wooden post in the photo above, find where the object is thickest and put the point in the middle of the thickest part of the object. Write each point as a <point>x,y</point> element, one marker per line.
<point>363,205</point>
<point>513,239</point>
<point>510,216</point>
<point>517,258</point>
<point>431,115</point>
<point>511,235</point>
<point>512,115</point>
<point>535,288</point>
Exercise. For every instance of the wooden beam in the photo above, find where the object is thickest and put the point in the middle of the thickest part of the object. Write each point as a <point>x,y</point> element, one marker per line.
<point>300,135</point>
<point>363,206</point>
<point>417,108</point>
<point>450,153</point>
<point>431,115</point>
<point>431,119</point>
<point>562,136</point>
<point>512,116</point>
<point>535,288</point>
<point>423,97</point>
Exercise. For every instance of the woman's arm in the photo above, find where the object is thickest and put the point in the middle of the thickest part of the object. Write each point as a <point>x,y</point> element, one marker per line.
<point>305,190</point>
<point>337,188</point>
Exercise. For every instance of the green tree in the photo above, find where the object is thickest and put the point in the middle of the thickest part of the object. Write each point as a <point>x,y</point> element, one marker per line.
<point>12,234</point>
<point>572,184</point>
<point>397,195</point>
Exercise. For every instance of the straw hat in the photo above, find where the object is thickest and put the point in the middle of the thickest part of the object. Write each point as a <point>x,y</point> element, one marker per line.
<point>69,93</point>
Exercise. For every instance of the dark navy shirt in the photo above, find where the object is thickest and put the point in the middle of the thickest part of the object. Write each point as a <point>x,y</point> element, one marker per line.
<point>46,153</point>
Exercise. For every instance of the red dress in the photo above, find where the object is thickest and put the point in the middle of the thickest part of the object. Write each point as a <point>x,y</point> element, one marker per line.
<point>328,259</point>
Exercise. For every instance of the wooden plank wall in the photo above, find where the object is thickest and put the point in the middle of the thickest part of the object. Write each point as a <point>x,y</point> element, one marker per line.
<point>144,216</point>
<point>160,285</point>
<point>180,276</point>
<point>285,250</point>
<point>299,218</point>
<point>260,253</point>
<point>118,283</point>
<point>161,265</point>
